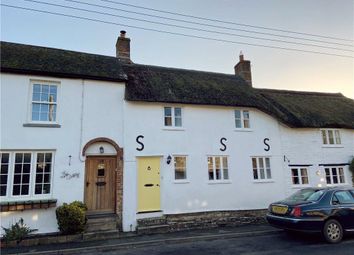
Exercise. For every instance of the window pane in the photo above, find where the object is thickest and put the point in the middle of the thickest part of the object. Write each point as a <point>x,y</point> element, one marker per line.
<point>337,135</point>
<point>304,177</point>
<point>334,175</point>
<point>328,176</point>
<point>27,158</point>
<point>254,166</point>
<point>210,168</point>
<point>225,168</point>
<point>178,122</point>
<point>36,88</point>
<point>168,111</point>
<point>168,116</point>
<point>4,158</point>
<point>238,123</point>
<point>246,119</point>
<point>330,137</point>
<point>261,168</point>
<point>217,168</point>
<point>295,176</point>
<point>43,116</point>
<point>36,97</point>
<point>45,89</point>
<point>341,175</point>
<point>324,136</point>
<point>18,158</point>
<point>178,112</point>
<point>180,168</point>
<point>25,190</point>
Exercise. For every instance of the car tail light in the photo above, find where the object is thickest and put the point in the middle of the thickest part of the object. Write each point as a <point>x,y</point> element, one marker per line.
<point>296,211</point>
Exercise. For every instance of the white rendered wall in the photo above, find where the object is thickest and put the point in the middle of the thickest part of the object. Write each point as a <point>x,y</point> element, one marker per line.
<point>304,146</point>
<point>203,127</point>
<point>102,116</point>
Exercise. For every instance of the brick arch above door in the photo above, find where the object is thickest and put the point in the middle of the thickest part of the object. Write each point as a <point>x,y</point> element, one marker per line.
<point>102,140</point>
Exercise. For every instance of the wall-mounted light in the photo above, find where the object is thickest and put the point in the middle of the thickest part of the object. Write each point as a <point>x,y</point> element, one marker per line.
<point>169,158</point>
<point>101,150</point>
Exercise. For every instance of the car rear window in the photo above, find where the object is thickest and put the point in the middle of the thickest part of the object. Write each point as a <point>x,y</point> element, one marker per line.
<point>306,195</point>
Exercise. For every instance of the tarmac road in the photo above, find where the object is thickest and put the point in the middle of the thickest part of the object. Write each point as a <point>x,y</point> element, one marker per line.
<point>275,243</point>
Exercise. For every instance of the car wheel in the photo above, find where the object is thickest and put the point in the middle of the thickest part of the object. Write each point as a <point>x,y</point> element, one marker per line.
<point>333,231</point>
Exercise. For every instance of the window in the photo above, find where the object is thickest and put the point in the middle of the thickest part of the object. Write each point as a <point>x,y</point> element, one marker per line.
<point>342,197</point>
<point>218,168</point>
<point>26,173</point>
<point>4,173</point>
<point>261,168</point>
<point>44,102</point>
<point>242,119</point>
<point>173,116</point>
<point>330,136</point>
<point>180,167</point>
<point>334,175</point>
<point>299,176</point>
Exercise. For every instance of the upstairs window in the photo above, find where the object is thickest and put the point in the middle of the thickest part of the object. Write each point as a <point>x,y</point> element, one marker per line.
<point>299,176</point>
<point>331,137</point>
<point>44,102</point>
<point>173,117</point>
<point>218,168</point>
<point>261,168</point>
<point>180,167</point>
<point>242,119</point>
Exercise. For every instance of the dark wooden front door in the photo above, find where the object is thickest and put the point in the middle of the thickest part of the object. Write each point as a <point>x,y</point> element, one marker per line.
<point>99,184</point>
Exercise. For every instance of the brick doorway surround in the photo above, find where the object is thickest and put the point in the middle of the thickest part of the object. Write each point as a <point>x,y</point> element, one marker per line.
<point>118,176</point>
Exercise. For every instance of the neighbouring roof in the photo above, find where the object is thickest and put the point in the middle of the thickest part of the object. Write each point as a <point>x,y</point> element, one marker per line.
<point>28,59</point>
<point>171,85</point>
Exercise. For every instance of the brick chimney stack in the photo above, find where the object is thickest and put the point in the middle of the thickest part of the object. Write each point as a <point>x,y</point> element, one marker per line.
<point>123,48</point>
<point>243,69</point>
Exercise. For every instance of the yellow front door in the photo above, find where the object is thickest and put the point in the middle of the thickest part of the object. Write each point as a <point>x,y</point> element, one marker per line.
<point>148,184</point>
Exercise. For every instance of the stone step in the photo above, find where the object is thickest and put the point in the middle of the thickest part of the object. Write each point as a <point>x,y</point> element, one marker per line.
<point>102,219</point>
<point>152,221</point>
<point>101,235</point>
<point>101,226</point>
<point>155,229</point>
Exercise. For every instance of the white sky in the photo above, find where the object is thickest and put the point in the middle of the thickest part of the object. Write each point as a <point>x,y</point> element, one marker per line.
<point>271,68</point>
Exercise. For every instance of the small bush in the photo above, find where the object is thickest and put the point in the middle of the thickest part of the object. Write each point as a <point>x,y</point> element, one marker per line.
<point>17,232</point>
<point>71,217</point>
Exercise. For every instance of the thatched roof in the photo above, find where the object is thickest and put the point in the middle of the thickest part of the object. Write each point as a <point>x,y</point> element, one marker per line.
<point>21,58</point>
<point>170,85</point>
<point>295,109</point>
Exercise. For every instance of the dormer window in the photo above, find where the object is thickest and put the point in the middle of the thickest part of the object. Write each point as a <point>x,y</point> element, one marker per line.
<point>242,119</point>
<point>331,137</point>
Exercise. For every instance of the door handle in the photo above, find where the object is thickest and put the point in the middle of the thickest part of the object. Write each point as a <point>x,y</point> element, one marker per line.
<point>149,185</point>
<point>87,183</point>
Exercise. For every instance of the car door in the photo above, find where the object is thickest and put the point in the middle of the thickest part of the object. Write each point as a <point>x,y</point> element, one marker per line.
<point>343,200</point>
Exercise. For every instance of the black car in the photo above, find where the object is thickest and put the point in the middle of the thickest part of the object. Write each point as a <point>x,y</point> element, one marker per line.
<point>326,210</point>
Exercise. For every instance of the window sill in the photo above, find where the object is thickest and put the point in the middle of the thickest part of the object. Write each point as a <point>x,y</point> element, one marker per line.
<point>27,205</point>
<point>44,125</point>
<point>263,181</point>
<point>300,186</point>
<point>181,181</point>
<point>333,146</point>
<point>220,182</point>
<point>173,129</point>
<point>243,130</point>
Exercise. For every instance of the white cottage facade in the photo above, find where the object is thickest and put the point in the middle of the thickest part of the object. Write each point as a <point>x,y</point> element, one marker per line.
<point>102,130</point>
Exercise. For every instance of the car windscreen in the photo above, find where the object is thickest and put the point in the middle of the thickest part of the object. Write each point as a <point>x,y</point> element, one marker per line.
<point>306,195</point>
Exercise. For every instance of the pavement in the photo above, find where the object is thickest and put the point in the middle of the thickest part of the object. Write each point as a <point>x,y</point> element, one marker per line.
<point>128,241</point>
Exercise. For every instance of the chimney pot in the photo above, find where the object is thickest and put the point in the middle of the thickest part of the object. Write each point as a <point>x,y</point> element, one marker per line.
<point>122,33</point>
<point>243,69</point>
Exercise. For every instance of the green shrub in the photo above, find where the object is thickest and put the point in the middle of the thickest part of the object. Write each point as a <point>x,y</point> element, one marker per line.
<point>17,232</point>
<point>71,217</point>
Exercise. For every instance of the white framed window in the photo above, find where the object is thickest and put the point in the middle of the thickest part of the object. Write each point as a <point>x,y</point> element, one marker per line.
<point>173,117</point>
<point>180,165</point>
<point>242,119</point>
<point>299,176</point>
<point>261,168</point>
<point>335,175</point>
<point>4,173</point>
<point>331,137</point>
<point>218,169</point>
<point>26,174</point>
<point>44,101</point>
